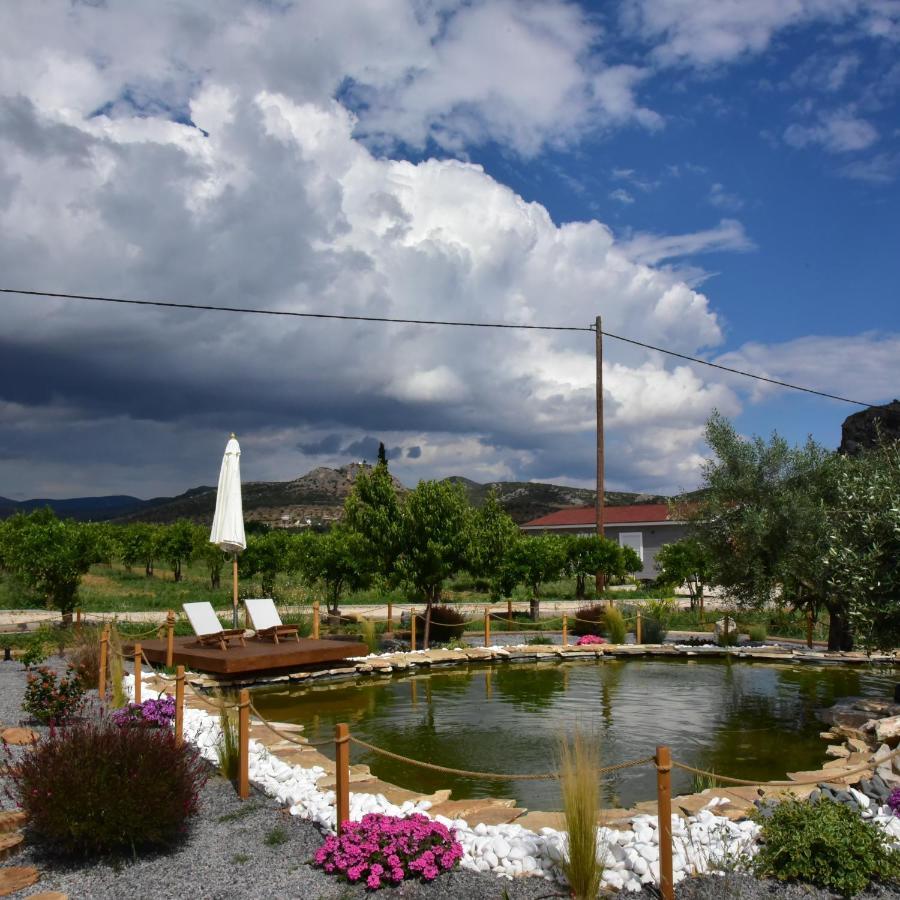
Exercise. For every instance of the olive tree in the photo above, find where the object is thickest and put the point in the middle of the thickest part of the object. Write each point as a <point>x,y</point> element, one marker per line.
<point>686,562</point>
<point>587,554</point>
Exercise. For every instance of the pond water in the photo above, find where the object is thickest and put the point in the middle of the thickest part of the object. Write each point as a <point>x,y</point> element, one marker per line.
<point>748,720</point>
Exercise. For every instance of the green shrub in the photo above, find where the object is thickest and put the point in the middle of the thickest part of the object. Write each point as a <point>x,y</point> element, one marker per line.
<point>757,633</point>
<point>94,788</point>
<point>615,626</point>
<point>539,639</point>
<point>656,616</point>
<point>50,699</point>
<point>446,624</point>
<point>589,619</point>
<point>728,638</point>
<point>825,844</point>
<point>368,634</point>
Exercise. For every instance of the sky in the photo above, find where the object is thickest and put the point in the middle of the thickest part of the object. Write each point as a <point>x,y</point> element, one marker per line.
<point>716,177</point>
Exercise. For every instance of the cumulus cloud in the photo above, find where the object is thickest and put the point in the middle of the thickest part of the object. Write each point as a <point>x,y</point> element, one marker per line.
<point>178,161</point>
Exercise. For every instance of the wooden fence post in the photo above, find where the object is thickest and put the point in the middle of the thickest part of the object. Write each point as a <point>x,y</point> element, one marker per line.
<point>137,673</point>
<point>390,621</point>
<point>315,620</point>
<point>565,637</point>
<point>170,639</point>
<point>78,619</point>
<point>104,653</point>
<point>638,637</point>
<point>244,744</point>
<point>179,706</point>
<point>412,629</point>
<point>341,774</point>
<point>664,814</point>
<point>487,626</point>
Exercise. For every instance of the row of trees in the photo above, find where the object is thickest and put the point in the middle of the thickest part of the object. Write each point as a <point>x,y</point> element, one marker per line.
<point>415,542</point>
<point>802,526</point>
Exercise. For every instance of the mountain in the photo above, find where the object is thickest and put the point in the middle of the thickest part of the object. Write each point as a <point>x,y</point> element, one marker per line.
<point>316,498</point>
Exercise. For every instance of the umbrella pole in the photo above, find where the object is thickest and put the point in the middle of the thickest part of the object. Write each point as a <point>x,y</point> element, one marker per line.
<point>234,615</point>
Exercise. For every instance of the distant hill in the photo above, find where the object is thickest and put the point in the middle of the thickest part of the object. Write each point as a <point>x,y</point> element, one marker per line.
<point>316,497</point>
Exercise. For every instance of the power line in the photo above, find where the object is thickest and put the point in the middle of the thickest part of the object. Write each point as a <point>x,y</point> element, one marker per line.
<point>169,304</point>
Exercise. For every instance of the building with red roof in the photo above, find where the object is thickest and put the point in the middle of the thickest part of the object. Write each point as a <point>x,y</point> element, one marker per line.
<point>645,527</point>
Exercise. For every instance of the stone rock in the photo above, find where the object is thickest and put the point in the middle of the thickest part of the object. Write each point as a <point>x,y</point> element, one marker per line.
<point>48,895</point>
<point>863,430</point>
<point>18,736</point>
<point>16,878</point>
<point>887,731</point>
<point>838,751</point>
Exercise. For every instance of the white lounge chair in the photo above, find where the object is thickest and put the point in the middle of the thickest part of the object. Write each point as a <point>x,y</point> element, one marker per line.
<point>266,621</point>
<point>207,626</point>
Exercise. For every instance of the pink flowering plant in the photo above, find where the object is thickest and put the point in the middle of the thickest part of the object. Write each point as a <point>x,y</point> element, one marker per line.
<point>586,639</point>
<point>382,850</point>
<point>154,713</point>
<point>50,699</point>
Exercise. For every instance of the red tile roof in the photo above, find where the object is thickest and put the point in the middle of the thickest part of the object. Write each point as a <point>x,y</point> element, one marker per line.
<point>612,515</point>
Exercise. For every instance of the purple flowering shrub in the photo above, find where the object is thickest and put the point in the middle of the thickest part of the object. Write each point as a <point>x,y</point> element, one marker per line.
<point>384,850</point>
<point>589,639</point>
<point>894,801</point>
<point>159,713</point>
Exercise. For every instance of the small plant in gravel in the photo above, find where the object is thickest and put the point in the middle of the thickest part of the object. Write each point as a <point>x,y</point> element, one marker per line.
<point>95,788</point>
<point>381,850</point>
<point>153,713</point>
<point>539,639</point>
<point>276,837</point>
<point>825,844</point>
<point>53,699</point>
<point>588,639</point>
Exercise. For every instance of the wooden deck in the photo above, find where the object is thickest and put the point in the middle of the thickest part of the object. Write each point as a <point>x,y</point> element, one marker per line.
<point>255,656</point>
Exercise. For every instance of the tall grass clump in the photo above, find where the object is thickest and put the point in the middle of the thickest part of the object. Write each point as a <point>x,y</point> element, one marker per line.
<point>116,669</point>
<point>228,750</point>
<point>368,634</point>
<point>84,654</point>
<point>615,626</point>
<point>580,788</point>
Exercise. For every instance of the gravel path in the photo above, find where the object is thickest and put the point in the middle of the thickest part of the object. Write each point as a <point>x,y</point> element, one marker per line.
<point>257,851</point>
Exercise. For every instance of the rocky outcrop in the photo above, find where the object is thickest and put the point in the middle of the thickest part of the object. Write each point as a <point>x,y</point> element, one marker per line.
<point>865,429</point>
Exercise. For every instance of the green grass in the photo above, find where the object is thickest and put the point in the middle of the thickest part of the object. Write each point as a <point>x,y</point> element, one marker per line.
<point>241,813</point>
<point>276,836</point>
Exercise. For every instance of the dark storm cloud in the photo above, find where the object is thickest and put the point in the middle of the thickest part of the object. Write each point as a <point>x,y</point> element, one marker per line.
<point>413,452</point>
<point>367,448</point>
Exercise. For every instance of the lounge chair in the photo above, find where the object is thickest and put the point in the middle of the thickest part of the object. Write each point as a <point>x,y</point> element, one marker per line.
<point>266,621</point>
<point>207,626</point>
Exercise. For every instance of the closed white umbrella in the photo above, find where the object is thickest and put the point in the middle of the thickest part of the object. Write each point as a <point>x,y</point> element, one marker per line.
<point>228,522</point>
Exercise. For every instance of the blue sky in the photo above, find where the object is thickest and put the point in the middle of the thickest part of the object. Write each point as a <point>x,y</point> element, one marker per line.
<point>721,179</point>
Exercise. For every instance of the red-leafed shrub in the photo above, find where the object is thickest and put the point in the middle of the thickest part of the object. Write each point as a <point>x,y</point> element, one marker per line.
<point>96,788</point>
<point>589,620</point>
<point>446,623</point>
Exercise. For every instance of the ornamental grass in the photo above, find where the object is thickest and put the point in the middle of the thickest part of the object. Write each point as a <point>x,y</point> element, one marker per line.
<point>95,788</point>
<point>580,787</point>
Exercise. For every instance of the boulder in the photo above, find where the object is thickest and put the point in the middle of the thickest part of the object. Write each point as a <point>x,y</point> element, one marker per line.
<point>887,731</point>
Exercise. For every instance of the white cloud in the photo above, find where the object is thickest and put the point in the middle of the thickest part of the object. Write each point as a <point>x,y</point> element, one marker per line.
<point>620,195</point>
<point>723,199</point>
<point>711,32</point>
<point>838,131</point>
<point>650,249</point>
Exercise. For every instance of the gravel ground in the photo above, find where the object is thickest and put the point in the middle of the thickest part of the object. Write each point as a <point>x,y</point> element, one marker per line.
<point>257,851</point>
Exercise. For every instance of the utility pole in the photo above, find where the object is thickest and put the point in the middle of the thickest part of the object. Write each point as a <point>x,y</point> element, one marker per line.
<point>600,448</point>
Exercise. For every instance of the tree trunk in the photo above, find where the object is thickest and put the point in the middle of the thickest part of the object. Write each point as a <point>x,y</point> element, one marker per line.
<point>535,608</point>
<point>215,580</point>
<point>579,587</point>
<point>148,568</point>
<point>840,636</point>
<point>176,569</point>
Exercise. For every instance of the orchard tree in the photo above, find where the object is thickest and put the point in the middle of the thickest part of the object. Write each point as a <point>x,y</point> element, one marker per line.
<point>686,562</point>
<point>537,560</point>
<point>372,510</point>
<point>268,555</point>
<point>336,560</point>
<point>209,554</point>
<point>492,536</point>
<point>49,555</point>
<point>433,540</point>
<point>588,554</point>
<point>176,545</point>
<point>139,544</point>
<point>765,519</point>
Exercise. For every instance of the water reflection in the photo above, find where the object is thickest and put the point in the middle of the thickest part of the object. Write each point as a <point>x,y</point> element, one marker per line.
<point>748,720</point>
